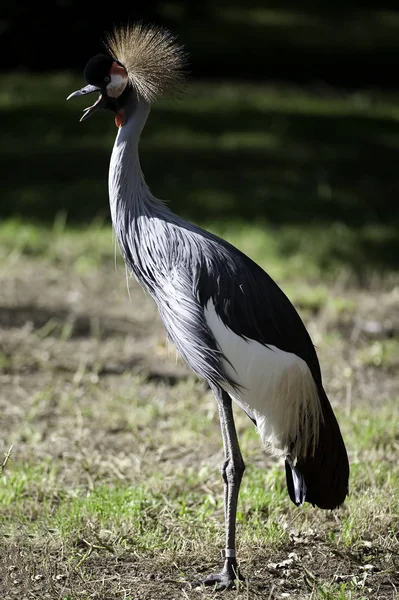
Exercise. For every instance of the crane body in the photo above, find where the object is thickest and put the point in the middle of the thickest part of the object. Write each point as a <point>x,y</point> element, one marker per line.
<point>227,318</point>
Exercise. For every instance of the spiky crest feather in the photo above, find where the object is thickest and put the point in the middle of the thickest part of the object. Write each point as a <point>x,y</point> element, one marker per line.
<point>155,62</point>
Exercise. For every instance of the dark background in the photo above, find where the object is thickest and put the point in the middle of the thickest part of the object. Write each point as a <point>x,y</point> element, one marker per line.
<point>353,44</point>
<point>350,50</point>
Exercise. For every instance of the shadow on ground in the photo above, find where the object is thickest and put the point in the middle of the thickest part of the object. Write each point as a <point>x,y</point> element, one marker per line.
<point>315,170</point>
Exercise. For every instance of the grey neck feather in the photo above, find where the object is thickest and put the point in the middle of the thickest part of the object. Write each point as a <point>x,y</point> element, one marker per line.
<point>128,191</point>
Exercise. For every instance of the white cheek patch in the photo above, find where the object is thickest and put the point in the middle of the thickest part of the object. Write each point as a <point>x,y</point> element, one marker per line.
<point>116,86</point>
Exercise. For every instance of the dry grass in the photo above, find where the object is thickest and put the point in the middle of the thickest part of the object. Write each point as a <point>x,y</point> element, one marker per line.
<point>110,450</point>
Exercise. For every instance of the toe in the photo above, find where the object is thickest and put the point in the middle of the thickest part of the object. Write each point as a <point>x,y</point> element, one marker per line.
<point>220,582</point>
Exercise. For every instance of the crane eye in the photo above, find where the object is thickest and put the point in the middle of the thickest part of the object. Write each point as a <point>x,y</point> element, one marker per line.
<point>107,79</point>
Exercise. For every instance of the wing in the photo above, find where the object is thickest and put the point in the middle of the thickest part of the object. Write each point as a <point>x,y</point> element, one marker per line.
<point>251,304</point>
<point>184,321</point>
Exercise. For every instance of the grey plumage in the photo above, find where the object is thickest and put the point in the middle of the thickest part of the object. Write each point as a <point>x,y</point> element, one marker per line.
<point>164,253</point>
<point>227,318</point>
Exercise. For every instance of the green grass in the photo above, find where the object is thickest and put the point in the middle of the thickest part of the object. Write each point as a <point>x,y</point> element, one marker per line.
<point>147,503</point>
<point>310,257</point>
<point>129,476</point>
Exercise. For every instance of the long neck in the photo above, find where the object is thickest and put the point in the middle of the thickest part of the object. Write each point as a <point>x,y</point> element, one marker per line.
<point>128,191</point>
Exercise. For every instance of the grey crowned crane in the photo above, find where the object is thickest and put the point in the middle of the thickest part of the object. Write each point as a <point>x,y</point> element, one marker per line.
<point>227,318</point>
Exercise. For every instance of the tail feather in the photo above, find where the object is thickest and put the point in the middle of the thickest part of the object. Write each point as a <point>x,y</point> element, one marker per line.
<point>321,478</point>
<point>295,483</point>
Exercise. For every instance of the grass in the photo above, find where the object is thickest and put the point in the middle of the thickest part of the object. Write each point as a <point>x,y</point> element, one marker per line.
<point>112,489</point>
<point>109,481</point>
<point>152,502</point>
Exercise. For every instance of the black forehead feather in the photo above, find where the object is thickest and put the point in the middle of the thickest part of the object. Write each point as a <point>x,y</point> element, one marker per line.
<point>97,68</point>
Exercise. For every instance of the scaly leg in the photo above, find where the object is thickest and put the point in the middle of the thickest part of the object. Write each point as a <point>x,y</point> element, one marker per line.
<point>232,471</point>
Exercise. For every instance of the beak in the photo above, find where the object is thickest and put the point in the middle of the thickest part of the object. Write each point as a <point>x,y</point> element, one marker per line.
<point>100,103</point>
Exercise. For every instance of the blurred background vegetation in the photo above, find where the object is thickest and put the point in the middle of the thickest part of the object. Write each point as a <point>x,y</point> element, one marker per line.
<point>289,128</point>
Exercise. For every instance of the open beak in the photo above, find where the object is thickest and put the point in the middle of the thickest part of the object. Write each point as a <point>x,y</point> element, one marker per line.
<point>100,103</point>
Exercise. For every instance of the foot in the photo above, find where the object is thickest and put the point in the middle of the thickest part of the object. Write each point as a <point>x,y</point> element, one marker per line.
<point>225,580</point>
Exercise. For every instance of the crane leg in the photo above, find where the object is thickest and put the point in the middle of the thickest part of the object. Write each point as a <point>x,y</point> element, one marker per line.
<point>232,471</point>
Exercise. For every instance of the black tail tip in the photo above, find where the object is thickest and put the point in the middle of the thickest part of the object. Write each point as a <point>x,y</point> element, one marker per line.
<point>327,491</point>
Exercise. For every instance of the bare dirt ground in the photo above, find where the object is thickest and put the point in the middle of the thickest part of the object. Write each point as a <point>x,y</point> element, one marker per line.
<point>70,343</point>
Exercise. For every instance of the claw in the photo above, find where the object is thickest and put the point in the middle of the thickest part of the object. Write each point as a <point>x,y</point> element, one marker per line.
<point>219,585</point>
<point>225,580</point>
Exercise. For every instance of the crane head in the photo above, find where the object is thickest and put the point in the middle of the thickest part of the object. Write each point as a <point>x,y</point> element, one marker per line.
<point>109,78</point>
<point>144,59</point>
